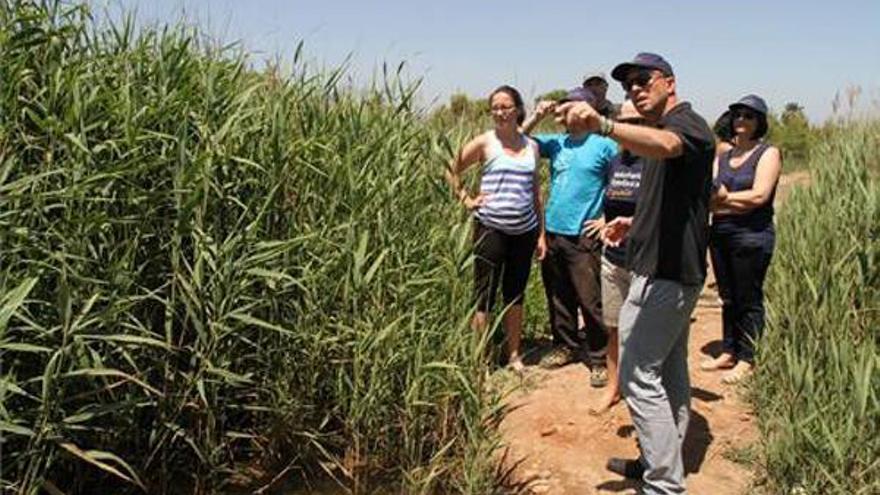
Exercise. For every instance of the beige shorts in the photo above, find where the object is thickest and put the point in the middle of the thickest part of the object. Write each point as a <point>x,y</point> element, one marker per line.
<point>615,286</point>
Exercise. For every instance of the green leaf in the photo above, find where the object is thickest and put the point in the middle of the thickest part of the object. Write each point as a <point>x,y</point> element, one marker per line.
<point>10,302</point>
<point>100,459</point>
<point>23,347</point>
<point>251,320</point>
<point>107,372</point>
<point>128,339</point>
<point>15,429</point>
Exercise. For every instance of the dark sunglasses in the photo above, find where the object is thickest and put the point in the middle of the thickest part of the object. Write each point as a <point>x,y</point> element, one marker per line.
<point>641,77</point>
<point>745,114</point>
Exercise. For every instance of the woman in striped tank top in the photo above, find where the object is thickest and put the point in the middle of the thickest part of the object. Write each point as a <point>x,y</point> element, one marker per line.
<point>508,214</point>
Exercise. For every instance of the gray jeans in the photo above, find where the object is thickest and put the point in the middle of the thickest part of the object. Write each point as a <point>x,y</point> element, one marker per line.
<point>654,323</point>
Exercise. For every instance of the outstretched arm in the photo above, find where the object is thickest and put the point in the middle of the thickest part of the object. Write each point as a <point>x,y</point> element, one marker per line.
<point>641,140</point>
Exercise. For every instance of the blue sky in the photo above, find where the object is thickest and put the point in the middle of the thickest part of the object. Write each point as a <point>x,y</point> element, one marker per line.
<point>802,51</point>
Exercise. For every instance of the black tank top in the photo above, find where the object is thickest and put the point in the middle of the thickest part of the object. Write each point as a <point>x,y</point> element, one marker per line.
<point>742,178</point>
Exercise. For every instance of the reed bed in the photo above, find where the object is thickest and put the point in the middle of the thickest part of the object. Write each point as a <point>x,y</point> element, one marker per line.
<point>818,391</point>
<point>217,278</point>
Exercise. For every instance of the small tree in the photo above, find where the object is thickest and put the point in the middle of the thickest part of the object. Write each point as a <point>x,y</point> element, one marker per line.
<point>791,132</point>
<point>555,95</point>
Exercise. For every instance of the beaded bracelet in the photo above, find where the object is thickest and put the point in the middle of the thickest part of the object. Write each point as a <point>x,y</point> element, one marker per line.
<point>606,126</point>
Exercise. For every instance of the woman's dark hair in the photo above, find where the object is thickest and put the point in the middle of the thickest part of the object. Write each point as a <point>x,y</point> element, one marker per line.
<point>517,101</point>
<point>762,128</point>
<point>724,127</point>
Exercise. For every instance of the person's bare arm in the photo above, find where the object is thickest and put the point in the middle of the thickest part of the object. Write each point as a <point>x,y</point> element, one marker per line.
<point>471,153</point>
<point>766,175</point>
<point>541,249</point>
<point>543,108</point>
<point>648,142</point>
<point>719,195</point>
<point>641,140</point>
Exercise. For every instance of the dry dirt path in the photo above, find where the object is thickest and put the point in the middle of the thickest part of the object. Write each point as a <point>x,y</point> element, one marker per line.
<point>553,445</point>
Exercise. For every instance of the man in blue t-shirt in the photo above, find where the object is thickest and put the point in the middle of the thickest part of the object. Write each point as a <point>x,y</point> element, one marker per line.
<point>571,268</point>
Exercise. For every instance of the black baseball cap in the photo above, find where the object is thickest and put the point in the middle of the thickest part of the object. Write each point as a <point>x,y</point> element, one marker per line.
<point>642,60</point>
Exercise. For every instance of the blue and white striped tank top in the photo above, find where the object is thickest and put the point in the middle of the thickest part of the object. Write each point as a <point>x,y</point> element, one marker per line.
<point>509,183</point>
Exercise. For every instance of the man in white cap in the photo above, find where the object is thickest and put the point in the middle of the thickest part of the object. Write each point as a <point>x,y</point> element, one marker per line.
<point>598,84</point>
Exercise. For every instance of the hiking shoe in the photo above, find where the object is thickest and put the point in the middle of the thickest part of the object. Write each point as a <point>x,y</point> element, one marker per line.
<point>598,376</point>
<point>628,468</point>
<point>558,357</point>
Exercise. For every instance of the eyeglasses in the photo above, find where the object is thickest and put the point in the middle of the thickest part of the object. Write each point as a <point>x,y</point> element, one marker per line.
<point>502,109</point>
<point>642,77</point>
<point>745,114</point>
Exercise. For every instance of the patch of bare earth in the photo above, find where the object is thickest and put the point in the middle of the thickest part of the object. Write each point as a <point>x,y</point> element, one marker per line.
<point>561,448</point>
<point>552,444</point>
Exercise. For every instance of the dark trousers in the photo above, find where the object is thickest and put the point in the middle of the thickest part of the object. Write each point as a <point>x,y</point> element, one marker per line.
<point>740,262</point>
<point>501,259</point>
<point>571,271</point>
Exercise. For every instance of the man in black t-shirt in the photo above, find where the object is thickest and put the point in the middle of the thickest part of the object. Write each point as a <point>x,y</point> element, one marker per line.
<point>667,239</point>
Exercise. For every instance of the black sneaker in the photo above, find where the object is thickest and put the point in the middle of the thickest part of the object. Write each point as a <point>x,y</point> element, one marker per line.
<point>628,468</point>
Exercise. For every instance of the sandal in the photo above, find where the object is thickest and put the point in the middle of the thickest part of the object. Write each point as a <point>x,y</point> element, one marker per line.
<point>739,373</point>
<point>722,362</point>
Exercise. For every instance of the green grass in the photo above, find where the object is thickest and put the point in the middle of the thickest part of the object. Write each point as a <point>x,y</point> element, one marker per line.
<point>817,394</point>
<point>211,270</point>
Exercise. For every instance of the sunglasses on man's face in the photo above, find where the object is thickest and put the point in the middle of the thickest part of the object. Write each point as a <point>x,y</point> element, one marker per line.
<point>641,78</point>
<point>745,114</point>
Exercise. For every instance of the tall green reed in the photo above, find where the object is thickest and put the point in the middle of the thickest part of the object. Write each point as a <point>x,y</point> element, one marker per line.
<point>818,390</point>
<point>209,269</point>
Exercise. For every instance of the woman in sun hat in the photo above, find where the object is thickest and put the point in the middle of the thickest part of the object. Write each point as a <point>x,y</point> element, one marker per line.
<point>742,234</point>
<point>508,214</point>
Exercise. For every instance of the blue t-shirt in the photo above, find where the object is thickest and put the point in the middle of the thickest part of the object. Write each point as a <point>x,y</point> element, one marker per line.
<point>578,175</point>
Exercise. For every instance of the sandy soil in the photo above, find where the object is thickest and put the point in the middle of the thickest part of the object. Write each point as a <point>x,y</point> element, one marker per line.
<point>552,444</point>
